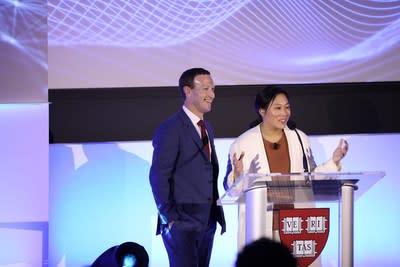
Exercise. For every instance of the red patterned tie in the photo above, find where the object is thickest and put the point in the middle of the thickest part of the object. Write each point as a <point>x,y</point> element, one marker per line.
<point>204,138</point>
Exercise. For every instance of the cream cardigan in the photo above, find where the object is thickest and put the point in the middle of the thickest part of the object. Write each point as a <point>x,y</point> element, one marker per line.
<point>255,161</point>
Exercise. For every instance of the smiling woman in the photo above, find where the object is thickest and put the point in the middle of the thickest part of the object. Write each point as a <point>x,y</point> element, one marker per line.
<point>105,61</point>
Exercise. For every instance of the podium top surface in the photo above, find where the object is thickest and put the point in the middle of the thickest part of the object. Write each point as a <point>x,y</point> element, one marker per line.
<point>302,187</point>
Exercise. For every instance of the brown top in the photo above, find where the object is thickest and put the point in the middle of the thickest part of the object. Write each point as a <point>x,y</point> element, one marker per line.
<point>278,155</point>
<point>279,162</point>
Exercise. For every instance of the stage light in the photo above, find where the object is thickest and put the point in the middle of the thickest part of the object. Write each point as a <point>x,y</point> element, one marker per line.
<point>128,254</point>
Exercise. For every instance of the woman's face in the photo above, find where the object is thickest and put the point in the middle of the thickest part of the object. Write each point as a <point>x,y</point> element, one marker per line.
<point>278,112</point>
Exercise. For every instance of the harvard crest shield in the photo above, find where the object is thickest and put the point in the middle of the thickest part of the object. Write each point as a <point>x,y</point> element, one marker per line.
<point>305,232</point>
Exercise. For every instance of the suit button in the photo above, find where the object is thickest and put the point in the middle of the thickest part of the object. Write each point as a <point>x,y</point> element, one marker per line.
<point>209,199</point>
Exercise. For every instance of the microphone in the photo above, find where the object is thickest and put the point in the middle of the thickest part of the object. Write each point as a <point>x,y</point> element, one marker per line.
<point>292,126</point>
<point>275,146</point>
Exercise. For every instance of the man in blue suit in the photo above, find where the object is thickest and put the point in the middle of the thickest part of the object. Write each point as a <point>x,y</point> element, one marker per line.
<point>184,174</point>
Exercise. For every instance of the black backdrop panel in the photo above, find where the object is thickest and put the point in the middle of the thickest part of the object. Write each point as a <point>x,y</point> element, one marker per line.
<point>128,114</point>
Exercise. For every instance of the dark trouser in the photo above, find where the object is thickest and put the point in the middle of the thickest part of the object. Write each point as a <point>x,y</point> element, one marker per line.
<point>187,246</point>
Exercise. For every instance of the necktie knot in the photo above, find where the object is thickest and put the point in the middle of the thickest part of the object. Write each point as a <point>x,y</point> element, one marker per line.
<point>201,124</point>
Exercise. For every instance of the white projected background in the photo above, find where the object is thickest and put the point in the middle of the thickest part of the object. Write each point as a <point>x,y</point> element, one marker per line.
<point>149,43</point>
<point>24,127</point>
<point>100,196</point>
<point>23,51</point>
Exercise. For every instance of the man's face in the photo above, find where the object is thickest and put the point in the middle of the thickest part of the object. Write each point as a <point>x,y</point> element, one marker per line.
<point>199,99</point>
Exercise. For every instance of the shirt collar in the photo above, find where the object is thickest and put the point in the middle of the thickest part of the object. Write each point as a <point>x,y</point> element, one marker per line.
<point>191,116</point>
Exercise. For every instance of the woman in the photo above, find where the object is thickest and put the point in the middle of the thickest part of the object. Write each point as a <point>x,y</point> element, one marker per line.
<point>270,146</point>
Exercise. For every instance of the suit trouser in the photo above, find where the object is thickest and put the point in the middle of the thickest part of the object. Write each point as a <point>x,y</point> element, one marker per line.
<point>188,246</point>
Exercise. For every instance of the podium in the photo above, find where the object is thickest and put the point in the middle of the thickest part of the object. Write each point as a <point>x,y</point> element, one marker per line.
<point>259,191</point>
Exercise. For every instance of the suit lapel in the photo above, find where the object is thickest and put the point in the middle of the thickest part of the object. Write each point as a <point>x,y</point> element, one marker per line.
<point>189,129</point>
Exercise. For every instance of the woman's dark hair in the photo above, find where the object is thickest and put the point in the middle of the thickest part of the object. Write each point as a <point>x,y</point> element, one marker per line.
<point>187,78</point>
<point>264,98</point>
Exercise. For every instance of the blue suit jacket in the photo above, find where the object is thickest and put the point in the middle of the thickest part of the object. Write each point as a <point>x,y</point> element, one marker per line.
<point>183,180</point>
